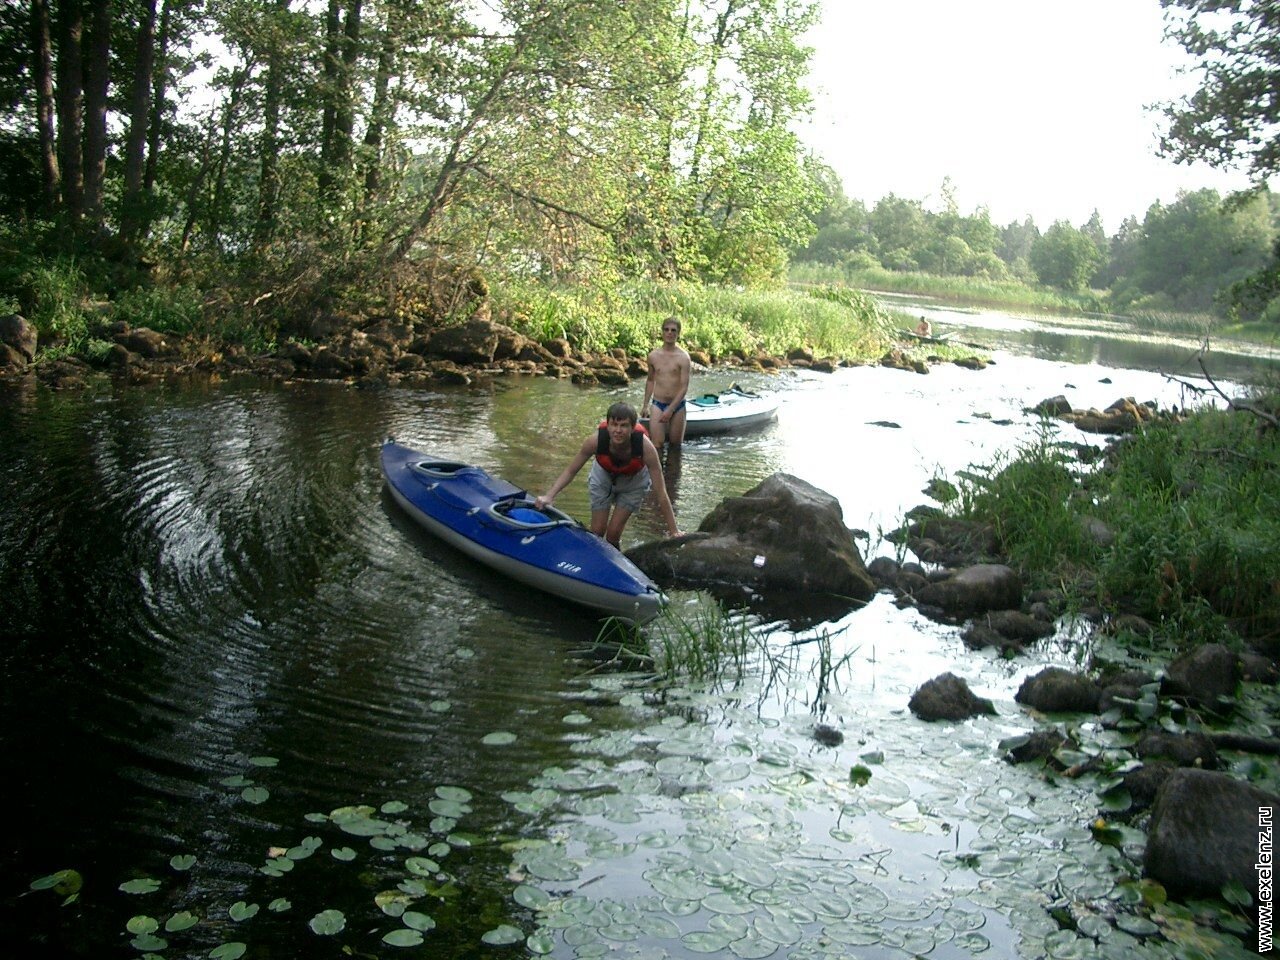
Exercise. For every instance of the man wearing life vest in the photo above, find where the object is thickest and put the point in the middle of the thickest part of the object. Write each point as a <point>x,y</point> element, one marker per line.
<point>625,468</point>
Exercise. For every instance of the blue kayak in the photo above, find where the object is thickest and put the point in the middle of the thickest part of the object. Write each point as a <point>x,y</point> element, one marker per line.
<point>495,522</point>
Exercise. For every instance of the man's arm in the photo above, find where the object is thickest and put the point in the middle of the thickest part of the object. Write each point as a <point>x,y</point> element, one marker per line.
<point>660,487</point>
<point>584,454</point>
<point>648,389</point>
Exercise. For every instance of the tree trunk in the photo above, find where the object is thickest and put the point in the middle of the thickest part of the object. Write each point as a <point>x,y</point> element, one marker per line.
<point>97,80</point>
<point>380,112</point>
<point>342,49</point>
<point>157,101</point>
<point>42,60</point>
<point>269,171</point>
<point>70,102</point>
<point>139,121</point>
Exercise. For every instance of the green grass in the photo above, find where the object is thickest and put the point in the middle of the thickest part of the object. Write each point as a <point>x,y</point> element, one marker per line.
<point>722,321</point>
<point>1195,512</point>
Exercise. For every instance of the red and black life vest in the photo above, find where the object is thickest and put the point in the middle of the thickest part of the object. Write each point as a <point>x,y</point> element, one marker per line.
<point>605,459</point>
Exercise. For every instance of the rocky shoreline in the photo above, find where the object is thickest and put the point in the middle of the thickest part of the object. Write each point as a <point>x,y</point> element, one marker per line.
<point>382,352</point>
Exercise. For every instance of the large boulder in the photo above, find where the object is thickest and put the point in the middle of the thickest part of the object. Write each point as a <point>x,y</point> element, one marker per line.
<point>783,535</point>
<point>20,337</point>
<point>1205,830</point>
<point>948,697</point>
<point>473,342</point>
<point>973,590</point>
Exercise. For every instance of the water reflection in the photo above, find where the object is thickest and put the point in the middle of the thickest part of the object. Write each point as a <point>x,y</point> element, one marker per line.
<point>190,578</point>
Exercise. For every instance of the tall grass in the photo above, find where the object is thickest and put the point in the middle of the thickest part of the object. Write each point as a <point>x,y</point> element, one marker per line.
<point>1194,508</point>
<point>972,290</point>
<point>716,319</point>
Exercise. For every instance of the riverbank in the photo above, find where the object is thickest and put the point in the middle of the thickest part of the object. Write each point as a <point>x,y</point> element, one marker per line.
<point>576,334</point>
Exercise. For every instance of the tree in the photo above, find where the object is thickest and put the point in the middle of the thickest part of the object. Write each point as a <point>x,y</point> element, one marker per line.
<point>1064,257</point>
<point>1196,246</point>
<point>1234,115</point>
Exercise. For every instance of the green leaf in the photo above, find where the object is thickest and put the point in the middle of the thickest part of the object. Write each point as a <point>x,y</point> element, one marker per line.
<point>241,911</point>
<point>859,775</point>
<point>140,886</point>
<point>148,941</point>
<point>499,738</point>
<point>228,951</point>
<point>263,761</point>
<point>342,853</point>
<point>255,795</point>
<point>394,807</point>
<point>182,861</point>
<point>1237,895</point>
<point>142,924</point>
<point>182,920</point>
<point>417,921</point>
<point>403,938</point>
<point>502,935</point>
<point>64,882</point>
<point>328,922</point>
<point>279,905</point>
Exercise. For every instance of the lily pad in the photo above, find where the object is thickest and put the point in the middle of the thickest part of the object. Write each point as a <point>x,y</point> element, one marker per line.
<point>241,911</point>
<point>182,920</point>
<point>421,866</point>
<point>403,938</point>
<point>502,935</point>
<point>182,861</point>
<point>342,853</point>
<point>417,921</point>
<point>534,898</point>
<point>328,922</point>
<point>499,738</point>
<point>142,924</point>
<point>279,905</point>
<point>228,951</point>
<point>456,794</point>
<point>394,807</point>
<point>264,761</point>
<point>63,883</point>
<point>149,942</point>
<point>142,885</point>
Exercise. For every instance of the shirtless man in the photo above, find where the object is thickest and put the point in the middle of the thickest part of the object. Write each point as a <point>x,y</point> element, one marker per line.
<point>667,385</point>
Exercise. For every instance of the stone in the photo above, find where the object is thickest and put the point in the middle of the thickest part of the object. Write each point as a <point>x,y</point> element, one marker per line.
<point>947,697</point>
<point>783,535</point>
<point>1204,832</point>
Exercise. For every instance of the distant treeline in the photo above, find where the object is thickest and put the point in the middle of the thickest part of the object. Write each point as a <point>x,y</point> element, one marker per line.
<point>1193,255</point>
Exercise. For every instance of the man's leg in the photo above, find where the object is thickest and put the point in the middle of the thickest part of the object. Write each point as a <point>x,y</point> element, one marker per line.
<point>619,520</point>
<point>599,521</point>
<point>675,428</point>
<point>657,429</point>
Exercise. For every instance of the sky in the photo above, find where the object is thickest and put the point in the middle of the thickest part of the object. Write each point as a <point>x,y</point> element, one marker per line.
<point>1031,107</point>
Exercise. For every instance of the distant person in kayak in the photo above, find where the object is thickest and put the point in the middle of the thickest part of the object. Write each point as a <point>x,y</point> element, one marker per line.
<point>924,328</point>
<point>626,468</point>
<point>666,386</point>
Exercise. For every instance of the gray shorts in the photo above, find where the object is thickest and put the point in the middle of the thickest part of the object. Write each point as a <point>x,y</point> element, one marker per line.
<point>606,489</point>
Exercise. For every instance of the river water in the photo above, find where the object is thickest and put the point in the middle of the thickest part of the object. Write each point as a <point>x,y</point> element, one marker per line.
<point>256,710</point>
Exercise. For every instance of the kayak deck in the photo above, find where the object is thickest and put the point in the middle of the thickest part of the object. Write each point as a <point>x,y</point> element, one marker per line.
<point>495,522</point>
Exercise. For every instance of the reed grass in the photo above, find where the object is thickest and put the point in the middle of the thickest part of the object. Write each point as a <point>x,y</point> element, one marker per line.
<point>720,320</point>
<point>1193,506</point>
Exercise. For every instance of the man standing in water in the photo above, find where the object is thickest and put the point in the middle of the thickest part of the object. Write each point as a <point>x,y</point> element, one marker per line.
<point>626,468</point>
<point>667,385</point>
